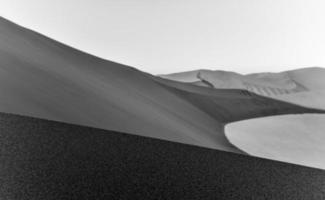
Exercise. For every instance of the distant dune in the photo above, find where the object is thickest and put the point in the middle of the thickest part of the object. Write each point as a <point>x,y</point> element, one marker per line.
<point>295,86</point>
<point>43,78</point>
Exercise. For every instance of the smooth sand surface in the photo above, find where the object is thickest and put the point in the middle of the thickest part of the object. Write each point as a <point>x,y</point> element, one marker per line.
<point>297,139</point>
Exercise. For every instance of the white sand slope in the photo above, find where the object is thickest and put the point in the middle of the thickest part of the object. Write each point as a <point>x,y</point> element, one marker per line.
<point>297,139</point>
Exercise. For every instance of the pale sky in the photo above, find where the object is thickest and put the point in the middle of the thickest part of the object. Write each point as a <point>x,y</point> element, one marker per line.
<point>179,35</point>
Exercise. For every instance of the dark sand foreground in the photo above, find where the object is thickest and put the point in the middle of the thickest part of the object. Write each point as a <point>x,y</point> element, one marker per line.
<point>46,160</point>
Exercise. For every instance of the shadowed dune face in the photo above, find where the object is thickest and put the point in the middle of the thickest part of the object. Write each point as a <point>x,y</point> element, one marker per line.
<point>42,78</point>
<point>297,139</point>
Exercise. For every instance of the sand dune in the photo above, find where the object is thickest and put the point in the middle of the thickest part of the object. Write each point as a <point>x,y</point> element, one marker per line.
<point>42,78</point>
<point>291,86</point>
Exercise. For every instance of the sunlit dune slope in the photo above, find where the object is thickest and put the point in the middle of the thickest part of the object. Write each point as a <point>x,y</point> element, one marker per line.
<point>297,139</point>
<point>42,78</point>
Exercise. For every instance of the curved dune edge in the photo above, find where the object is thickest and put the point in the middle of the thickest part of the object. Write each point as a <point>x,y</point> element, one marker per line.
<point>297,139</point>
